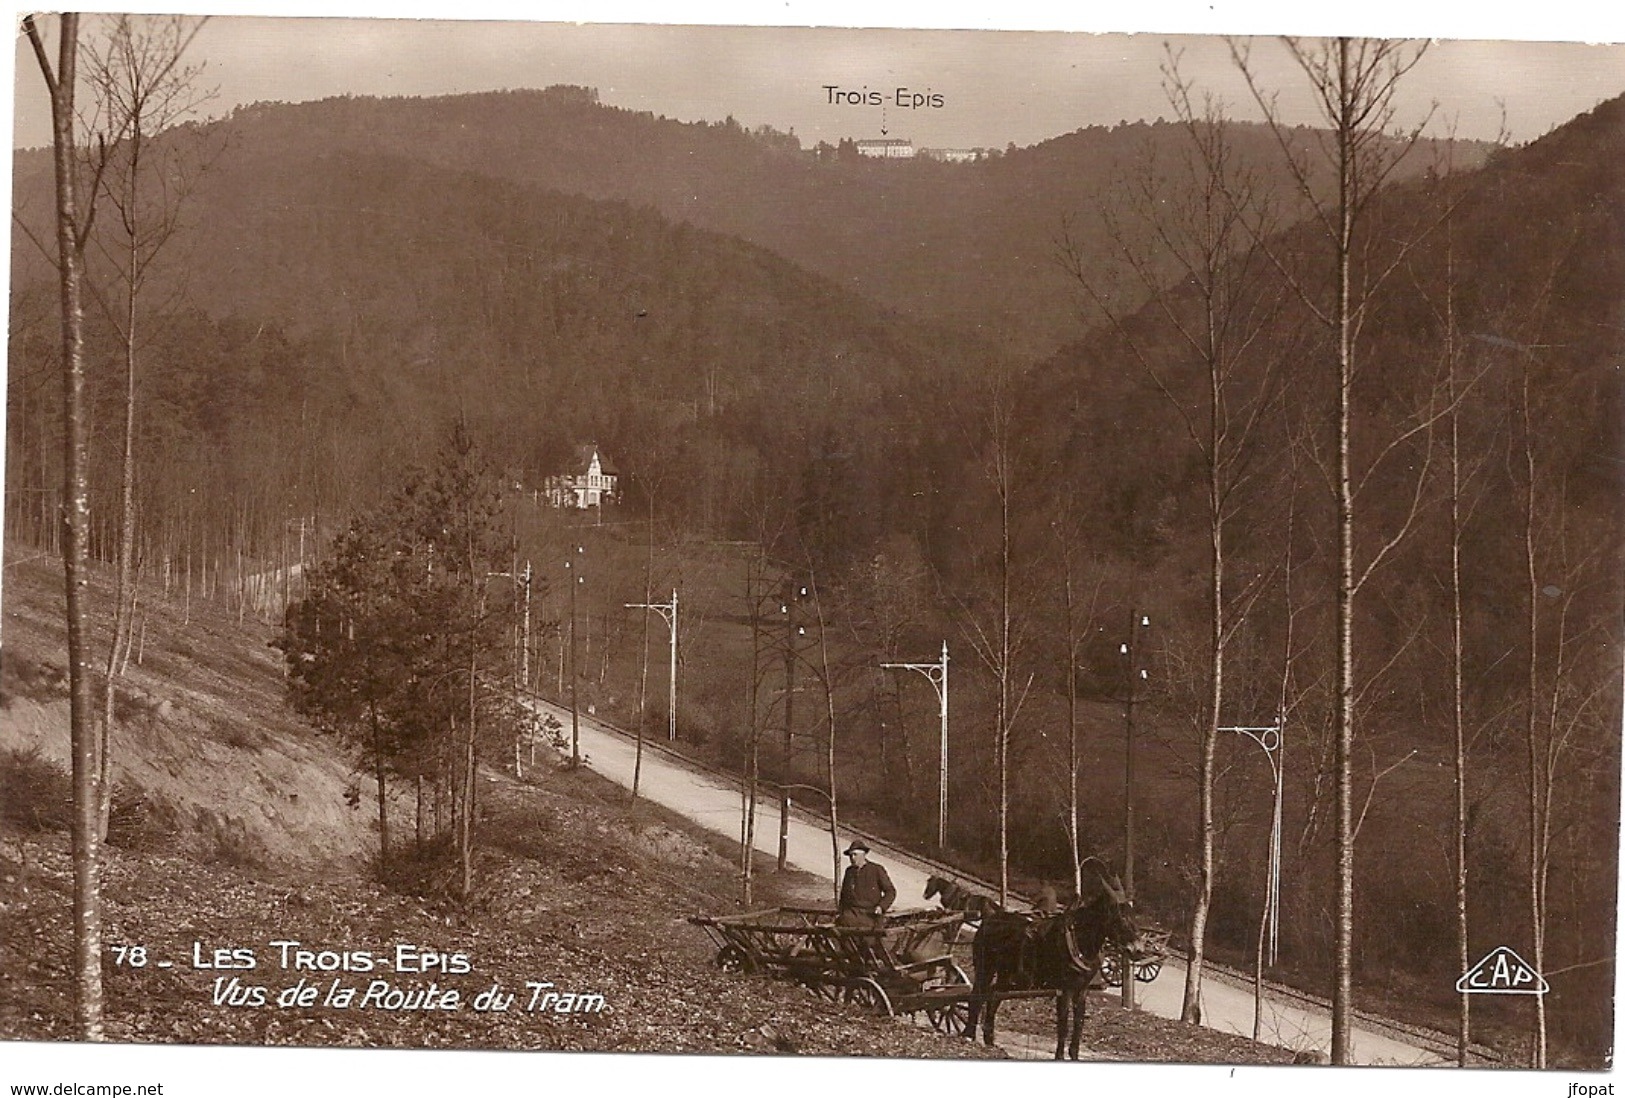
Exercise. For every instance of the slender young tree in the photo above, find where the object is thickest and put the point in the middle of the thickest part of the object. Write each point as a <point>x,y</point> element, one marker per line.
<point>140,89</point>
<point>643,676</point>
<point>1354,84</point>
<point>73,224</point>
<point>760,592</point>
<point>825,673</point>
<point>1565,698</point>
<point>1462,477</point>
<point>1208,224</point>
<point>883,606</point>
<point>1078,618</point>
<point>997,634</point>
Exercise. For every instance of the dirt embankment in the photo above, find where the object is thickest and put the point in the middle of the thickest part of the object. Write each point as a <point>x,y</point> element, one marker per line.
<point>207,759</point>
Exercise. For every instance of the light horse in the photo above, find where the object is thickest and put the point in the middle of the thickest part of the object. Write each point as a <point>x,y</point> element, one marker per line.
<point>1061,952</point>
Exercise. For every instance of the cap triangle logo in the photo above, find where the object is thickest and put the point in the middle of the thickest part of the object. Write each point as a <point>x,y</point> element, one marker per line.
<point>1502,972</point>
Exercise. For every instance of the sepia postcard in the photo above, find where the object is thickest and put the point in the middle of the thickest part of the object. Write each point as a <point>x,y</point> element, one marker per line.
<point>779,547</point>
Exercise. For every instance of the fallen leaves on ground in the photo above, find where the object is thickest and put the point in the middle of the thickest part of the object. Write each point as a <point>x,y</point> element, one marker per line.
<point>578,891</point>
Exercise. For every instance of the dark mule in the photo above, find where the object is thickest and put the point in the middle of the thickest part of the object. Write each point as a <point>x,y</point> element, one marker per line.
<point>955,897</point>
<point>1060,952</point>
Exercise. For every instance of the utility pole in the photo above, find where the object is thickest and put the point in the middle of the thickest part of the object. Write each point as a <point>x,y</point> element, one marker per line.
<point>524,661</point>
<point>1130,648</point>
<point>937,673</point>
<point>792,591</point>
<point>668,614</point>
<point>575,671</point>
<point>1268,738</point>
<point>671,700</point>
<point>524,653</point>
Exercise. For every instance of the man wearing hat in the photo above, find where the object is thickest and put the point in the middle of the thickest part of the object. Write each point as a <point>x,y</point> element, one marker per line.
<point>866,890</point>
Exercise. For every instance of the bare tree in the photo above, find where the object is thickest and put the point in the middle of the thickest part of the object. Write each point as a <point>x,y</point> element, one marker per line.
<point>140,89</point>
<point>1208,227</point>
<point>1354,83</point>
<point>1079,617</point>
<point>761,591</point>
<point>73,224</point>
<point>825,672</point>
<point>884,605</point>
<point>997,635</point>
<point>1568,689</point>
<point>651,488</point>
<point>1463,474</point>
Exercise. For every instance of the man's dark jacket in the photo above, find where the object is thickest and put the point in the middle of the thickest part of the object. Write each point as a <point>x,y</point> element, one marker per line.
<point>867,887</point>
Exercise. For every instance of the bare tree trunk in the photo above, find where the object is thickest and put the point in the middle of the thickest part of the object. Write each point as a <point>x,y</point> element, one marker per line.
<point>1457,683</point>
<point>1191,1005</point>
<point>788,775</point>
<point>418,820</point>
<point>383,790</point>
<point>1073,767</point>
<point>1002,753</point>
<point>1283,707</point>
<point>829,706</point>
<point>643,677</point>
<point>1343,947</point>
<point>123,596</point>
<point>1202,224</point>
<point>1354,82</point>
<point>996,644</point>
<point>87,763</point>
<point>752,788</point>
<point>465,839</point>
<point>1537,821</point>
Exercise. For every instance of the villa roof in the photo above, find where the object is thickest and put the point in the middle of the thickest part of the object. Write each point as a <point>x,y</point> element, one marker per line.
<point>584,456</point>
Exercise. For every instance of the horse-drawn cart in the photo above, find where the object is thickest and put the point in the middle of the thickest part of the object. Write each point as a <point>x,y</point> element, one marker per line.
<point>904,967</point>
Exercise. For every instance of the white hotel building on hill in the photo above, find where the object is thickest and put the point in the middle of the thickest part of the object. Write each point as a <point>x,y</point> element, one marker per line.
<point>887,148</point>
<point>901,148</point>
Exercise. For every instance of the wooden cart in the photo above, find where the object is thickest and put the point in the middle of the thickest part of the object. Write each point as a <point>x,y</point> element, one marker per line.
<point>905,967</point>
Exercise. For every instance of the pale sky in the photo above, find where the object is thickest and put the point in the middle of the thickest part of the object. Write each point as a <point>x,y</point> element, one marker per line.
<point>996,86</point>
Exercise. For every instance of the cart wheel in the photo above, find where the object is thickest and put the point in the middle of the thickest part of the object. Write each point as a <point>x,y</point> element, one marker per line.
<point>948,1019</point>
<point>826,990</point>
<point>1111,969</point>
<point>870,995</point>
<point>1147,971</point>
<point>730,958</point>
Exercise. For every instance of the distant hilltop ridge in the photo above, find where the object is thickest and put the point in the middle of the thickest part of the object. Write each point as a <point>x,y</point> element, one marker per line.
<point>918,234</point>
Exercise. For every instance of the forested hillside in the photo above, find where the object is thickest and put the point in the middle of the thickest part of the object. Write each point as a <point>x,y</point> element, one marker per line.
<point>1487,458</point>
<point>972,246</point>
<point>341,293</point>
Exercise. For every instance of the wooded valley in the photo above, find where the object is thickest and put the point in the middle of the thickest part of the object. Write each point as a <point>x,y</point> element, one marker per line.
<point>1132,391</point>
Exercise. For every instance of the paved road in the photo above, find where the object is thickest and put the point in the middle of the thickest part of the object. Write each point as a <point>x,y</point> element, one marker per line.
<point>715,803</point>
